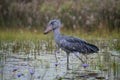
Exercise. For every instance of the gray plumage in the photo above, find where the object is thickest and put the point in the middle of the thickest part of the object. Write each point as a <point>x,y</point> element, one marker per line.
<point>68,43</point>
<point>72,45</point>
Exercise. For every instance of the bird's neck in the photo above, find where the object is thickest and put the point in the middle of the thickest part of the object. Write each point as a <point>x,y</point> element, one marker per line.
<point>56,33</point>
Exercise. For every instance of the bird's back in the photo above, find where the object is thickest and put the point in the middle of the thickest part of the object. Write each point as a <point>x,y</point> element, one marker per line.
<point>72,44</point>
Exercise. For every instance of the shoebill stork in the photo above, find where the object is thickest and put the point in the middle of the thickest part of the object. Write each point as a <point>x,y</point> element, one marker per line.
<point>68,43</point>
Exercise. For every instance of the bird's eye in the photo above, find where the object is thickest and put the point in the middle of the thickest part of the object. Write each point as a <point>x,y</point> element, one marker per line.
<point>53,22</point>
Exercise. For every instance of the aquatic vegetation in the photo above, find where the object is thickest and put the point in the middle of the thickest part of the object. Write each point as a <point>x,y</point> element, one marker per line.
<point>84,65</point>
<point>14,69</point>
<point>32,72</point>
<point>57,51</point>
<point>19,75</point>
<point>56,64</point>
<point>21,62</point>
<point>59,78</point>
<point>116,44</point>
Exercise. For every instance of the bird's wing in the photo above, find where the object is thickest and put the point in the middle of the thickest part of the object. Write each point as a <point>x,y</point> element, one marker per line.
<point>73,44</point>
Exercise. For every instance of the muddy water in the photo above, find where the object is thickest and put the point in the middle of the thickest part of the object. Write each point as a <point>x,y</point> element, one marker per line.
<point>45,67</point>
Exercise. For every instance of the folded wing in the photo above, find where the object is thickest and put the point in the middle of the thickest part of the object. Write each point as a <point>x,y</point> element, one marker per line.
<point>72,44</point>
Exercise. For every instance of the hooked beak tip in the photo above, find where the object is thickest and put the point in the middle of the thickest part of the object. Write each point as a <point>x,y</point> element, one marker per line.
<point>47,30</point>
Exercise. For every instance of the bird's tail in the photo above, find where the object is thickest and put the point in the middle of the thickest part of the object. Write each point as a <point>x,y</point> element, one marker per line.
<point>92,48</point>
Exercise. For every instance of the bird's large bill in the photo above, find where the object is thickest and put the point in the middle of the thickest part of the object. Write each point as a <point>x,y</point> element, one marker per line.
<point>48,29</point>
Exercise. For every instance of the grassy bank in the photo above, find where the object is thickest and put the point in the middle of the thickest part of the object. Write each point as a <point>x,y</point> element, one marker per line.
<point>23,34</point>
<point>20,35</point>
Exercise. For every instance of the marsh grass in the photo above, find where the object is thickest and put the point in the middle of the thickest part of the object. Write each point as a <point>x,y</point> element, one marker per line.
<point>20,35</point>
<point>103,63</point>
<point>28,46</point>
<point>36,35</point>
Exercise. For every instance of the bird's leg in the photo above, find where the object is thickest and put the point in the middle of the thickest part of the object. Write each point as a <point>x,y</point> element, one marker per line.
<point>56,57</point>
<point>85,55</point>
<point>68,61</point>
<point>79,58</point>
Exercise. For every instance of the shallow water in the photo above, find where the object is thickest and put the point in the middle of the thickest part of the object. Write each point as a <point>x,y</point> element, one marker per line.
<point>51,65</point>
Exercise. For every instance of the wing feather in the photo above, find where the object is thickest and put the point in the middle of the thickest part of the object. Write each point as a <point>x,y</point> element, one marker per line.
<point>72,44</point>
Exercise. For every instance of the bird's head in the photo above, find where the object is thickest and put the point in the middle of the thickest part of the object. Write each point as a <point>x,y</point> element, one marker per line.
<point>52,25</point>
